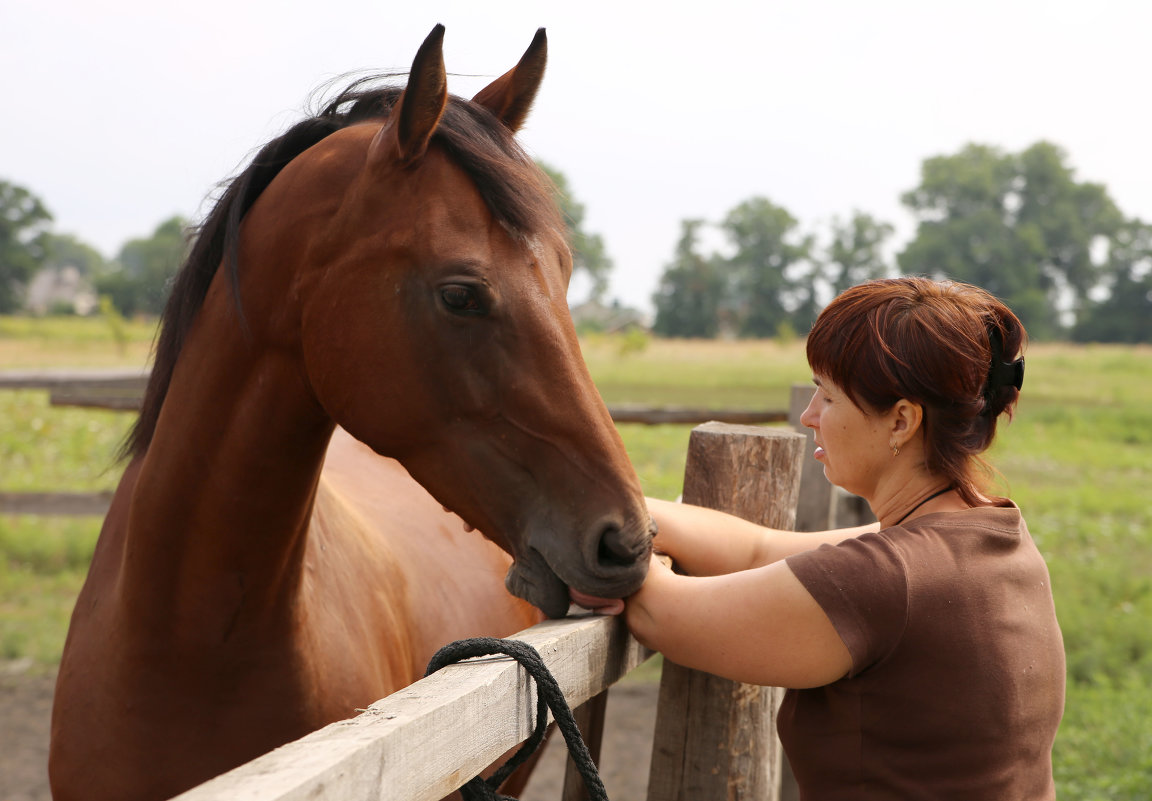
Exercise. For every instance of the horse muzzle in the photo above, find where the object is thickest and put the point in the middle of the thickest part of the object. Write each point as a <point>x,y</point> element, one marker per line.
<point>612,565</point>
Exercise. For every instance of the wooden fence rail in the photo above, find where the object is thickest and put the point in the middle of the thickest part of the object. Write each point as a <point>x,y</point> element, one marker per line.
<point>821,505</point>
<point>122,390</point>
<point>71,504</point>
<point>423,742</point>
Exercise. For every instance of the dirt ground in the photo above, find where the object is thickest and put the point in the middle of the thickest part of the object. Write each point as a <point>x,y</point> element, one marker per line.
<point>26,702</point>
<point>25,705</point>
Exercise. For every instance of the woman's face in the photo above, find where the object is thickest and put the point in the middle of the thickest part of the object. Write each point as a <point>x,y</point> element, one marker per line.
<point>852,445</point>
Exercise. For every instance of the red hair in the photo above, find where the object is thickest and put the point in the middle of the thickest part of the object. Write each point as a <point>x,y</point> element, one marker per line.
<point>934,343</point>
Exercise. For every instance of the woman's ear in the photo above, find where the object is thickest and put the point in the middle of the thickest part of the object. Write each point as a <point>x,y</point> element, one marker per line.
<point>906,418</point>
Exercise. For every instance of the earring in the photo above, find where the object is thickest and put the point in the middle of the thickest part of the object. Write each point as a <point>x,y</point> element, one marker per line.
<point>895,449</point>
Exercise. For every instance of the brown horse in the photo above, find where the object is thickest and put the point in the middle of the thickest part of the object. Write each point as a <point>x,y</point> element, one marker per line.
<point>399,275</point>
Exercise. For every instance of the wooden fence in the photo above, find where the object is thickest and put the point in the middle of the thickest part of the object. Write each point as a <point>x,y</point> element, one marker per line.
<point>122,390</point>
<point>423,742</point>
<point>821,505</point>
<point>714,738</point>
<point>119,389</point>
<point>114,389</point>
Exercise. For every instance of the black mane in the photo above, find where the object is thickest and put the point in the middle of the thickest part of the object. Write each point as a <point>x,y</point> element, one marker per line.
<point>514,189</point>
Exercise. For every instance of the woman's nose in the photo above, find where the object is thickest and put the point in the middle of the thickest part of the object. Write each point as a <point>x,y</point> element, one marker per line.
<point>809,418</point>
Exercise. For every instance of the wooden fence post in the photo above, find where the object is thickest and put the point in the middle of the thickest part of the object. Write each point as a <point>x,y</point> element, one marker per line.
<point>715,738</point>
<point>589,717</point>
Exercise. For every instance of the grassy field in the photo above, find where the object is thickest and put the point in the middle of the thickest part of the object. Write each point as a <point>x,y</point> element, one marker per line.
<point>1078,460</point>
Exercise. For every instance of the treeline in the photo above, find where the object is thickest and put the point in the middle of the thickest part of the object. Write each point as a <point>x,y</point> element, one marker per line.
<point>1059,251</point>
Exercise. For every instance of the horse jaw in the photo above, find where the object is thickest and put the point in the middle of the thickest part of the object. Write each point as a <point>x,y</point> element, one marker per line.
<point>531,579</point>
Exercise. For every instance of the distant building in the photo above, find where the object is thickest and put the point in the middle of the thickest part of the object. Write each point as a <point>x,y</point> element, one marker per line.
<point>56,288</point>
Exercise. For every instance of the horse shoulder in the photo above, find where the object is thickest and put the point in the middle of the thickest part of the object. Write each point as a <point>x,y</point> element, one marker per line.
<point>408,571</point>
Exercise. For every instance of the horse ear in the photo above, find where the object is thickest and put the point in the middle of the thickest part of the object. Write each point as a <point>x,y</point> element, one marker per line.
<point>417,112</point>
<point>510,96</point>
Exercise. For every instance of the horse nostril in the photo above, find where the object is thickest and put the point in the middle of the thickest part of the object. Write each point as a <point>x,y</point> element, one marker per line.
<point>615,550</point>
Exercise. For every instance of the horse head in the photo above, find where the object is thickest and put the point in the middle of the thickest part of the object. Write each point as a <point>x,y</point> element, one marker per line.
<point>427,300</point>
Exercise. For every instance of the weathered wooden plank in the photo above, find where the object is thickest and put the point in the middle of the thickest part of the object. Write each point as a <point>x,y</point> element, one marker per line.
<point>716,738</point>
<point>78,395</point>
<point>97,377</point>
<point>119,389</point>
<point>116,400</point>
<point>122,388</point>
<point>683,415</point>
<point>55,503</point>
<point>426,740</point>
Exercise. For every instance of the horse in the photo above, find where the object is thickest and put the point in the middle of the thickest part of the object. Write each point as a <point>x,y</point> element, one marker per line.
<point>370,330</point>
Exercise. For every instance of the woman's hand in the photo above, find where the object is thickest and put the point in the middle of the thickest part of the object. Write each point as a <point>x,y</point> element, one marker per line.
<point>637,613</point>
<point>615,606</point>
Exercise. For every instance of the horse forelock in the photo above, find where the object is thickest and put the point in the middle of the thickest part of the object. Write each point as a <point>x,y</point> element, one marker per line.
<point>515,191</point>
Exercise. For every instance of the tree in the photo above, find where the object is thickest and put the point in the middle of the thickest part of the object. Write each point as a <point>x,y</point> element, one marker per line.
<point>23,222</point>
<point>65,250</point>
<point>770,270</point>
<point>854,254</point>
<point>138,280</point>
<point>1019,225</point>
<point>1125,315</point>
<point>588,252</point>
<point>691,290</point>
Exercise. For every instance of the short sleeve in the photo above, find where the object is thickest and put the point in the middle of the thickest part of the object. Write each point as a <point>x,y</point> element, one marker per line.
<point>862,586</point>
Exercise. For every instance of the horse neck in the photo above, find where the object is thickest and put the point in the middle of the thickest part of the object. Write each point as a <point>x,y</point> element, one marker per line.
<point>225,490</point>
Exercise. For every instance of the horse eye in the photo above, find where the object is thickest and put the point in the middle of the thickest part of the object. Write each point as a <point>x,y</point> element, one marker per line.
<point>462,299</point>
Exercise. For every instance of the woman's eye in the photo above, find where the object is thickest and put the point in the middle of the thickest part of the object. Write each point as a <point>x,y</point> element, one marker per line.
<point>462,299</point>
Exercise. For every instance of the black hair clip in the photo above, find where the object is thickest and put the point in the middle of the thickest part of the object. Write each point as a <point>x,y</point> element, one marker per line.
<point>1005,373</point>
<point>1001,373</point>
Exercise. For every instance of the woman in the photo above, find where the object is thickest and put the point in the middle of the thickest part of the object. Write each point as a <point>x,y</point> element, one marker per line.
<point>922,653</point>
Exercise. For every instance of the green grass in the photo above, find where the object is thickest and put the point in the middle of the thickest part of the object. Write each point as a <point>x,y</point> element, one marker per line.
<point>697,373</point>
<point>1078,460</point>
<point>43,560</point>
<point>27,342</point>
<point>745,375</point>
<point>43,565</point>
<point>48,447</point>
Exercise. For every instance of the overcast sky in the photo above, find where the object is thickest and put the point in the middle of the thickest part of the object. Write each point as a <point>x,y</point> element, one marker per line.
<point>120,113</point>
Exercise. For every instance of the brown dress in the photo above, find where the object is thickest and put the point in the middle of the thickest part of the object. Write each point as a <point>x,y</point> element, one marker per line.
<point>957,681</point>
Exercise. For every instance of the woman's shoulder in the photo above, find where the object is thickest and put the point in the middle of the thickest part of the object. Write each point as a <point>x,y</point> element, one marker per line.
<point>1003,519</point>
<point>980,541</point>
<point>874,558</point>
<point>890,554</point>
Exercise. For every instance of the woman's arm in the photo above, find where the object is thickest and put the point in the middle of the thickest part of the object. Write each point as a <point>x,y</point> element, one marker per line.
<point>759,626</point>
<point>704,542</point>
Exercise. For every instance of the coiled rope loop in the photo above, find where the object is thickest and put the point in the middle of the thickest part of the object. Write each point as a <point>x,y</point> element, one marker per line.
<point>548,696</point>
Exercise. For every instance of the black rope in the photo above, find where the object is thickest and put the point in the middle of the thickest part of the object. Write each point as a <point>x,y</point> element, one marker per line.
<point>548,696</point>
